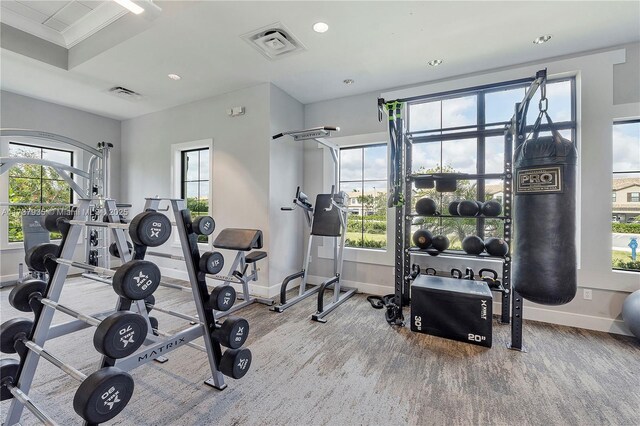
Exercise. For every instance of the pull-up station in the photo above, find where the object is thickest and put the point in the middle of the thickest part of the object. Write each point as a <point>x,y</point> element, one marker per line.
<point>328,218</point>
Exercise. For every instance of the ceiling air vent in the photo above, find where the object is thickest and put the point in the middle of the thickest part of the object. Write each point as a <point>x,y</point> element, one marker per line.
<point>274,41</point>
<point>124,93</point>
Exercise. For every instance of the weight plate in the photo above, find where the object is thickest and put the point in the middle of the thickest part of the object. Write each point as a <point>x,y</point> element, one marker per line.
<point>211,262</point>
<point>12,330</point>
<point>233,332</point>
<point>36,255</point>
<point>20,295</point>
<point>9,374</point>
<point>235,363</point>
<point>222,298</point>
<point>50,220</point>
<point>203,225</point>
<point>136,279</point>
<point>150,229</point>
<point>120,334</point>
<point>103,395</point>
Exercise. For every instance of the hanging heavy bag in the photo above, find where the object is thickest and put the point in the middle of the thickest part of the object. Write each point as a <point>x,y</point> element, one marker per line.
<point>544,261</point>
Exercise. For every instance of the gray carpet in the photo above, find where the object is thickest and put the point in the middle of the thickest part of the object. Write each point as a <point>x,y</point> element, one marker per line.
<point>357,370</point>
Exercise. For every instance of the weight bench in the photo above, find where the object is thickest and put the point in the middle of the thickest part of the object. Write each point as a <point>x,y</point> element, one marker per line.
<point>246,242</point>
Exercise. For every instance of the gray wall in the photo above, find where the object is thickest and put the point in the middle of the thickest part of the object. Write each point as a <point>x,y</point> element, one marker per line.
<point>17,111</point>
<point>606,92</point>
<point>285,174</point>
<point>241,153</point>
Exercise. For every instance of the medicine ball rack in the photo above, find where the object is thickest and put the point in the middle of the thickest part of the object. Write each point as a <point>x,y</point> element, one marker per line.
<point>401,186</point>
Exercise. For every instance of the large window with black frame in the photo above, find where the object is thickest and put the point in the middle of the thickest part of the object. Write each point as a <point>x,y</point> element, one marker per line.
<point>625,251</point>
<point>194,183</point>
<point>363,175</point>
<point>34,184</point>
<point>463,132</point>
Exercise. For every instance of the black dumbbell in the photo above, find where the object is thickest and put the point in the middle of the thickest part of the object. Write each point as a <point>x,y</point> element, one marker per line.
<point>134,280</point>
<point>232,333</point>
<point>211,262</point>
<point>222,298</point>
<point>203,225</point>
<point>100,397</point>
<point>117,336</point>
<point>235,363</point>
<point>150,229</point>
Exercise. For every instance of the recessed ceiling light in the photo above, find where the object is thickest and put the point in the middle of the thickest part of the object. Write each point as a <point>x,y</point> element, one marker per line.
<point>435,62</point>
<point>174,76</point>
<point>348,81</point>
<point>542,39</point>
<point>320,27</point>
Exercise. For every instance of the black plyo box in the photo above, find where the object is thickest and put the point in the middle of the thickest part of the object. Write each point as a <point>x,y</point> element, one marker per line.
<point>452,308</point>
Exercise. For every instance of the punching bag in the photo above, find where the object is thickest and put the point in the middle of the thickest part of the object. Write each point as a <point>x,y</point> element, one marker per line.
<point>544,258</point>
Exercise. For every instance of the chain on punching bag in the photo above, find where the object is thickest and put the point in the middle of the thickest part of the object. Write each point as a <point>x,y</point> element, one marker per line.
<point>544,259</point>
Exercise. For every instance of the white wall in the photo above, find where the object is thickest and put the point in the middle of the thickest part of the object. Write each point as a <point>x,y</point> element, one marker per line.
<point>285,174</point>
<point>17,111</point>
<point>594,73</point>
<point>240,171</point>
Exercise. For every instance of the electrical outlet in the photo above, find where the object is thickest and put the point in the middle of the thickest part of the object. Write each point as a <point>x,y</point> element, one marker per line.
<point>587,294</point>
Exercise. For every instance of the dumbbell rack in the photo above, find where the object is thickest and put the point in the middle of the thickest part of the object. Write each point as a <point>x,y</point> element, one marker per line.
<point>158,346</point>
<point>511,301</point>
<point>43,330</point>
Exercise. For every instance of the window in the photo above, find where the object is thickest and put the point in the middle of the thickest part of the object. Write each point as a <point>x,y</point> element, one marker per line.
<point>463,132</point>
<point>194,183</point>
<point>30,183</point>
<point>626,182</point>
<point>614,197</point>
<point>363,175</point>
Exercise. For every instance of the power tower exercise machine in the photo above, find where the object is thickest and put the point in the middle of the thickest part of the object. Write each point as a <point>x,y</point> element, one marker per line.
<point>328,218</point>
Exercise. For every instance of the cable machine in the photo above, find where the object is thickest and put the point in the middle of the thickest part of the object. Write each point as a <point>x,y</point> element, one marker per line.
<point>96,188</point>
<point>401,179</point>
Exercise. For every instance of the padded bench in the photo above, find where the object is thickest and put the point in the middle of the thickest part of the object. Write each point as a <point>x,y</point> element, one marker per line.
<point>254,256</point>
<point>239,239</point>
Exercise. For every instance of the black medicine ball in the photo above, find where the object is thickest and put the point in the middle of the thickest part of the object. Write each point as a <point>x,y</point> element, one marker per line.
<point>422,238</point>
<point>453,208</point>
<point>426,207</point>
<point>491,208</point>
<point>496,247</point>
<point>472,244</point>
<point>440,242</point>
<point>468,208</point>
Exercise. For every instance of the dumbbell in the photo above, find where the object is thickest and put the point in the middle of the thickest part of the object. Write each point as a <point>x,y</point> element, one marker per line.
<point>221,298</point>
<point>232,333</point>
<point>203,225</point>
<point>134,280</point>
<point>100,397</point>
<point>235,363</point>
<point>211,262</point>
<point>117,336</point>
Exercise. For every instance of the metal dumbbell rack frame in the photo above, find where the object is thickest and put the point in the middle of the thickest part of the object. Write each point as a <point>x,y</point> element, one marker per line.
<point>515,130</point>
<point>156,347</point>
<point>43,330</point>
